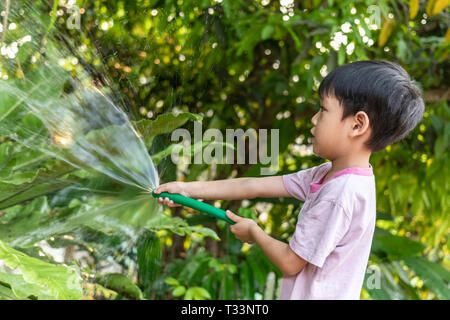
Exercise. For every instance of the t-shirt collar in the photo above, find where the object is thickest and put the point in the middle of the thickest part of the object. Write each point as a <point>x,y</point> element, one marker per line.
<point>315,186</point>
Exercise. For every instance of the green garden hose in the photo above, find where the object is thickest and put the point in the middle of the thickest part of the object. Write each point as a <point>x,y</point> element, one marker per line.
<point>195,204</point>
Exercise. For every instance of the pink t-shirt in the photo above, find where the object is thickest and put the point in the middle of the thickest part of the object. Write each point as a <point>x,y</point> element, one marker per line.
<point>333,233</point>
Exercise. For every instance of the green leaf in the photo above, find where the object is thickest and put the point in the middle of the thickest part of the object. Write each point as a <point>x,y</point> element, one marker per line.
<point>47,280</point>
<point>197,293</point>
<point>22,289</point>
<point>121,284</point>
<point>20,185</point>
<point>440,147</point>
<point>266,32</point>
<point>6,293</point>
<point>435,277</point>
<point>149,254</point>
<point>178,291</point>
<point>178,226</point>
<point>19,221</point>
<point>398,247</point>
<point>381,284</point>
<point>246,281</point>
<point>257,271</point>
<point>171,281</point>
<point>164,123</point>
<point>228,287</point>
<point>124,214</point>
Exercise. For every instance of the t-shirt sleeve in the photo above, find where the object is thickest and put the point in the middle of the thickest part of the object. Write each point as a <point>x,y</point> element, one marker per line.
<point>297,183</point>
<point>318,231</point>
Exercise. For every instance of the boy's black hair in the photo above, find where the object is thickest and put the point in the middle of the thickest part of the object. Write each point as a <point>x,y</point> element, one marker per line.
<point>381,89</point>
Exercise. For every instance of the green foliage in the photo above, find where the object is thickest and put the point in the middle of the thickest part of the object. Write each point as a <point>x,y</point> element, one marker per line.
<point>165,123</point>
<point>34,189</point>
<point>393,258</point>
<point>243,65</point>
<point>220,278</point>
<point>38,278</point>
<point>433,276</point>
<point>193,293</point>
<point>393,246</point>
<point>121,284</point>
<point>149,256</point>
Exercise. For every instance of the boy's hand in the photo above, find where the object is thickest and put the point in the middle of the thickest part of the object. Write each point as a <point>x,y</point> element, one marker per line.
<point>172,187</point>
<point>244,228</point>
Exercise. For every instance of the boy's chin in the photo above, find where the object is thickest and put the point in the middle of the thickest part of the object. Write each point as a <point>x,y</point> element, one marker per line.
<point>317,152</point>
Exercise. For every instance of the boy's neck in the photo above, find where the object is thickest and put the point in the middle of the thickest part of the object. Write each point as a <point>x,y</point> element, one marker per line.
<point>360,160</point>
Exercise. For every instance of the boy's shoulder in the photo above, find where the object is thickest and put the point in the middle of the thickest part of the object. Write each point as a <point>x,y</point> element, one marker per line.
<point>317,172</point>
<point>349,190</point>
<point>352,183</point>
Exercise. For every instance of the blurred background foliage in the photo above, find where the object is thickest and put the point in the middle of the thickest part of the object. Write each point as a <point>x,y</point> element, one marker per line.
<point>229,64</point>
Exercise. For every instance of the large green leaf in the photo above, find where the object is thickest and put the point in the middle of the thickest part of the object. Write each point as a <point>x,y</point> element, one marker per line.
<point>105,214</point>
<point>164,123</point>
<point>19,221</point>
<point>6,292</point>
<point>189,150</point>
<point>435,277</point>
<point>395,246</point>
<point>44,184</point>
<point>381,284</point>
<point>126,213</point>
<point>121,284</point>
<point>20,165</point>
<point>47,280</point>
<point>27,174</point>
<point>23,289</point>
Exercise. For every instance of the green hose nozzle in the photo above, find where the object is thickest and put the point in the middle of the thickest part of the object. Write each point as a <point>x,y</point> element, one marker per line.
<point>195,204</point>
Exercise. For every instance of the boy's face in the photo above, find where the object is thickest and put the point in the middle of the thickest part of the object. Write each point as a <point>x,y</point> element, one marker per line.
<point>330,132</point>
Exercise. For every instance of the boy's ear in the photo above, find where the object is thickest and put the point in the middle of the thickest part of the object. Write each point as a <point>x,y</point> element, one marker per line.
<point>360,124</point>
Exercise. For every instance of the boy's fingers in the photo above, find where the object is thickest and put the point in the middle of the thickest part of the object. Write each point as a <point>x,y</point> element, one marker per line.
<point>232,216</point>
<point>173,204</point>
<point>168,202</point>
<point>163,188</point>
<point>158,190</point>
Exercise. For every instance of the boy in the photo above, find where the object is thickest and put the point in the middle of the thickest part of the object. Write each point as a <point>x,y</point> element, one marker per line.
<point>365,106</point>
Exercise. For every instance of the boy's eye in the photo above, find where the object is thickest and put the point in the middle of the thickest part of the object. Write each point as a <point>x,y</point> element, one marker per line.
<point>321,108</point>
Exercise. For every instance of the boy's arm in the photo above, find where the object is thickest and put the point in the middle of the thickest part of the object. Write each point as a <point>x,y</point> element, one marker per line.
<point>277,251</point>
<point>268,187</point>
<point>226,189</point>
<point>237,189</point>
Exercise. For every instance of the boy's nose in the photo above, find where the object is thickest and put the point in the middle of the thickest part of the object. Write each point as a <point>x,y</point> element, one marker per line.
<point>314,119</point>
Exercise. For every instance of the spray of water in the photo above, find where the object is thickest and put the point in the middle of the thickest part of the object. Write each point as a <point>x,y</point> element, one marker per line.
<point>68,116</point>
<point>65,114</point>
<point>83,128</point>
